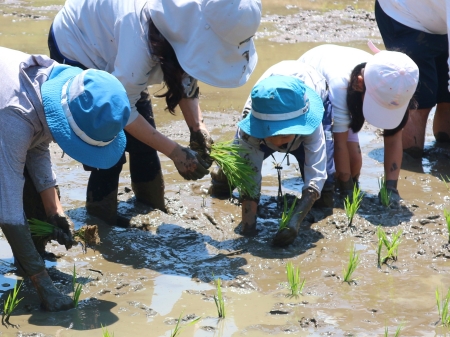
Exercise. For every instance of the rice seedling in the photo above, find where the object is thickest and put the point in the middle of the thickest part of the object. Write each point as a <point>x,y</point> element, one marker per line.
<point>287,215</point>
<point>352,206</point>
<point>236,168</point>
<point>293,277</point>
<point>76,288</point>
<point>176,332</point>
<point>219,300</point>
<point>397,332</point>
<point>385,195</point>
<point>105,332</point>
<point>442,305</point>
<point>351,266</point>
<point>446,181</point>
<point>390,244</point>
<point>40,228</point>
<point>447,219</point>
<point>379,247</point>
<point>11,304</point>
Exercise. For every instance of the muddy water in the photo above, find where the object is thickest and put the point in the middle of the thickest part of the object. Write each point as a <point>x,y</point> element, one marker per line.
<point>139,280</point>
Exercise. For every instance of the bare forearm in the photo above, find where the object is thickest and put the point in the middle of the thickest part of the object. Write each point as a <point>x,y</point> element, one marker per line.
<point>143,131</point>
<point>51,202</point>
<point>393,152</point>
<point>192,113</point>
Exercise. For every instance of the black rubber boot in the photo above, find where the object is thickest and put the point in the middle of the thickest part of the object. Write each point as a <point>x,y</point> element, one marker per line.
<point>219,184</point>
<point>151,193</point>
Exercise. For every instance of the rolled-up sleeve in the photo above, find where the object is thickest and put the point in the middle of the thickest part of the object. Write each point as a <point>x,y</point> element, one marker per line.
<point>315,160</point>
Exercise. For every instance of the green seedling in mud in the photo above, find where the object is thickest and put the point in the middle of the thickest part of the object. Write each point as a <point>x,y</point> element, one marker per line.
<point>352,206</point>
<point>178,327</point>
<point>105,332</point>
<point>351,266</point>
<point>442,305</point>
<point>446,181</point>
<point>219,300</point>
<point>390,244</point>
<point>447,219</point>
<point>397,332</point>
<point>293,277</point>
<point>11,304</point>
<point>76,288</point>
<point>385,195</point>
<point>40,228</point>
<point>287,215</point>
<point>237,169</point>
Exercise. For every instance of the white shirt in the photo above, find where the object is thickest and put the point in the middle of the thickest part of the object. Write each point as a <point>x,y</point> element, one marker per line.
<point>111,36</point>
<point>336,63</point>
<point>315,151</point>
<point>430,16</point>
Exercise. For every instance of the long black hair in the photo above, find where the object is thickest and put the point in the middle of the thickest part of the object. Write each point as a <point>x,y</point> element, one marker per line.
<point>355,105</point>
<point>172,71</point>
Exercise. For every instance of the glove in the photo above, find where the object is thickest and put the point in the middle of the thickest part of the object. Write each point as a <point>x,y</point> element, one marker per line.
<point>286,236</point>
<point>200,141</point>
<point>188,163</point>
<point>63,232</point>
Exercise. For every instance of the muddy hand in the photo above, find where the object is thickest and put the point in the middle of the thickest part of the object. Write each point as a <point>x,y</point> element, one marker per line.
<point>63,232</point>
<point>286,236</point>
<point>201,142</point>
<point>188,163</point>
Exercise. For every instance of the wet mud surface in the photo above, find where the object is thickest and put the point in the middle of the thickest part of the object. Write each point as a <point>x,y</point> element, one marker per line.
<point>140,280</point>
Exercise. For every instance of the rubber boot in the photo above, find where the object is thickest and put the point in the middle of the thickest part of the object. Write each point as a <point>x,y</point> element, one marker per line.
<point>151,193</point>
<point>286,236</point>
<point>219,184</point>
<point>106,210</point>
<point>326,199</point>
<point>32,265</point>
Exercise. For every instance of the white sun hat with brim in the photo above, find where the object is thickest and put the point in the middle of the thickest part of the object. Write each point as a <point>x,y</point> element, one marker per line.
<point>86,112</point>
<point>282,105</point>
<point>212,39</point>
<point>391,80</point>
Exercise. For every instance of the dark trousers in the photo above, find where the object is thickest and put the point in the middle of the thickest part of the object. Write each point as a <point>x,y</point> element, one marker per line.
<point>144,160</point>
<point>299,153</point>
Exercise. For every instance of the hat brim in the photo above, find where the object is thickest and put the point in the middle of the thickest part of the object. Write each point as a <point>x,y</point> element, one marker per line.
<point>204,55</point>
<point>381,117</point>
<point>305,124</point>
<point>102,157</point>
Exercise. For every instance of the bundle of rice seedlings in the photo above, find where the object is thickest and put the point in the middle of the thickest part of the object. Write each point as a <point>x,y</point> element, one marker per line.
<point>40,228</point>
<point>287,215</point>
<point>293,276</point>
<point>352,206</point>
<point>236,168</point>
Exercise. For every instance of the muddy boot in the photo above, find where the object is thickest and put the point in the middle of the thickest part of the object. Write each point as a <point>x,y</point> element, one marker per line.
<point>219,184</point>
<point>106,210</point>
<point>51,298</point>
<point>286,236</point>
<point>151,193</point>
<point>32,265</point>
<point>326,199</point>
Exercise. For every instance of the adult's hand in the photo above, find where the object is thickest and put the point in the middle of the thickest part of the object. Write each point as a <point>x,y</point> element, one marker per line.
<point>201,142</point>
<point>63,231</point>
<point>188,163</point>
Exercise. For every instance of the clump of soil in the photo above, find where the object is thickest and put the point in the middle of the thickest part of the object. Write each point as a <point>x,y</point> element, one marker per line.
<point>88,235</point>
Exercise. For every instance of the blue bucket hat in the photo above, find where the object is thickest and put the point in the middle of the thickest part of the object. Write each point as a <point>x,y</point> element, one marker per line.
<point>282,105</point>
<point>86,112</point>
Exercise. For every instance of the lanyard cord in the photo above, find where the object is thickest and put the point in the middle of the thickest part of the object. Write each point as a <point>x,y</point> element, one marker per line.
<point>278,167</point>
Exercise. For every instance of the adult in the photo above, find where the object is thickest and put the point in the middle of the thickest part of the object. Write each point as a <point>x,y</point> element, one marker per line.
<point>145,42</point>
<point>420,30</point>
<point>42,101</point>
<point>377,88</point>
<point>284,115</point>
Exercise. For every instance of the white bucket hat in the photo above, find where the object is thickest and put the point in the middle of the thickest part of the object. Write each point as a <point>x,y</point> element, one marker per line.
<point>391,80</point>
<point>211,38</point>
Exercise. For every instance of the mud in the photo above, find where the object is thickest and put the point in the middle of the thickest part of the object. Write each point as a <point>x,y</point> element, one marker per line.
<point>140,280</point>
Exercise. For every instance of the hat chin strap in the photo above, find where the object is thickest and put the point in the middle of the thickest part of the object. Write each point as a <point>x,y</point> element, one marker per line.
<point>73,125</point>
<point>283,116</point>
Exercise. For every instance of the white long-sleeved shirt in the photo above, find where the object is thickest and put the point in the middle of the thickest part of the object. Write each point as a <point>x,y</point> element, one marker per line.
<point>430,16</point>
<point>315,151</point>
<point>111,36</point>
<point>336,63</point>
